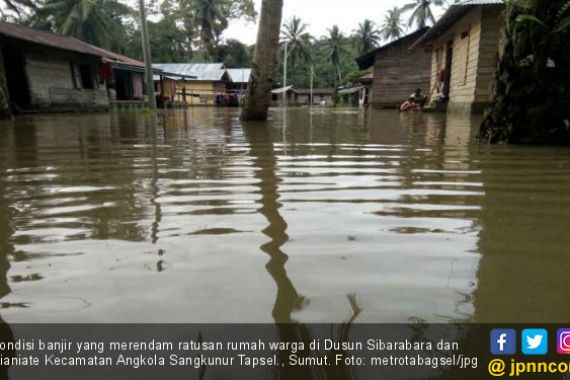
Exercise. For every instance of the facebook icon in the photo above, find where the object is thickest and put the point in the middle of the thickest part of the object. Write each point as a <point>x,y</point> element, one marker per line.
<point>503,342</point>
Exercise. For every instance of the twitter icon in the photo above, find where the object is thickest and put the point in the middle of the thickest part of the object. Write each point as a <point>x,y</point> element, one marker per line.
<point>534,342</point>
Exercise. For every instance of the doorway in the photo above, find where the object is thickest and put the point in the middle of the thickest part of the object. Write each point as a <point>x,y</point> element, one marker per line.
<point>16,78</point>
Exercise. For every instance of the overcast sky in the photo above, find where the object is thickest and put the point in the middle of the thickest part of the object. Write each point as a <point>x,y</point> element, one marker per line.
<point>321,15</point>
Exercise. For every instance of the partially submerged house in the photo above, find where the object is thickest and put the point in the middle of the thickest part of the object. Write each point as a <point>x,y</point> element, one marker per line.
<point>358,92</point>
<point>302,96</point>
<point>465,51</point>
<point>201,83</point>
<point>48,72</point>
<point>397,70</point>
<point>239,80</point>
<point>125,79</point>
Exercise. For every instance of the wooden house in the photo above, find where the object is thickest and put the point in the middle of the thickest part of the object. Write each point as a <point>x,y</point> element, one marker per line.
<point>397,70</point>
<point>465,51</point>
<point>302,96</point>
<point>239,80</point>
<point>48,72</point>
<point>200,83</point>
<point>124,77</point>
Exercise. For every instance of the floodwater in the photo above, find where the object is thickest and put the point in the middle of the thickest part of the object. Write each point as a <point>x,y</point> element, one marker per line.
<point>314,216</point>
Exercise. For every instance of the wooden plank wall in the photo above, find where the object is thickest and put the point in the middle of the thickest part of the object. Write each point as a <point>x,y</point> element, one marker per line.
<point>51,84</point>
<point>398,72</point>
<point>491,35</point>
<point>476,38</point>
<point>465,34</point>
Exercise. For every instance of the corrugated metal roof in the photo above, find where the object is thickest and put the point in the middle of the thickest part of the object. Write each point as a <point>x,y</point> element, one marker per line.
<point>316,91</point>
<point>281,90</point>
<point>45,38</point>
<point>57,41</point>
<point>239,75</point>
<point>453,14</point>
<point>199,71</point>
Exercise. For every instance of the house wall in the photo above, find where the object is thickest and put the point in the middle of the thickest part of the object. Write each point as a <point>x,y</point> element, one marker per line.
<point>491,36</point>
<point>51,84</point>
<point>398,72</point>
<point>200,92</point>
<point>169,88</point>
<point>475,41</point>
<point>305,99</point>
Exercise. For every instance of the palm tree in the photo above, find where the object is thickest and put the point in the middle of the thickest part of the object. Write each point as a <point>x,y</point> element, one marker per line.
<point>209,17</point>
<point>367,36</point>
<point>421,12</point>
<point>298,41</point>
<point>392,28</point>
<point>261,79</point>
<point>335,44</point>
<point>94,21</point>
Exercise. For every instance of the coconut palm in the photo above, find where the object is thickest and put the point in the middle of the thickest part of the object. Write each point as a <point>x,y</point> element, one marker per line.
<point>392,28</point>
<point>367,36</point>
<point>336,46</point>
<point>298,41</point>
<point>95,21</point>
<point>209,17</point>
<point>421,12</point>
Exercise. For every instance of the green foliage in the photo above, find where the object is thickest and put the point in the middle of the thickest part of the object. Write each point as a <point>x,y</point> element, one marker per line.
<point>234,54</point>
<point>298,42</point>
<point>98,22</point>
<point>168,42</point>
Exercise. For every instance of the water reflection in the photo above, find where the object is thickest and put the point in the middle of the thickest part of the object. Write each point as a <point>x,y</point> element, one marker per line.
<point>404,211</point>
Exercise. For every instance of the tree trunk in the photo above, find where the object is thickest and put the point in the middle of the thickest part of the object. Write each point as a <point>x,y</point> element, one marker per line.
<point>265,57</point>
<point>531,104</point>
<point>5,110</point>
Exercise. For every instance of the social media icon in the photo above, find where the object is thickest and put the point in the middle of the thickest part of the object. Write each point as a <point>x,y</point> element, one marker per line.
<point>504,342</point>
<point>563,341</point>
<point>534,342</point>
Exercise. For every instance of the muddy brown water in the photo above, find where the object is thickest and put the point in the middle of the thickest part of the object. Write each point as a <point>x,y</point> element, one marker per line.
<point>192,217</point>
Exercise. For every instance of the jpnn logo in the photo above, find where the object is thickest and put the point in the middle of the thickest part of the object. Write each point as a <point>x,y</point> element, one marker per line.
<point>504,342</point>
<point>534,342</point>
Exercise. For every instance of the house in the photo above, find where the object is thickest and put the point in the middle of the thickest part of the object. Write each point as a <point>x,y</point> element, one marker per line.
<point>397,70</point>
<point>465,50</point>
<point>48,72</point>
<point>320,95</point>
<point>239,79</point>
<point>358,92</point>
<point>125,79</point>
<point>302,96</point>
<point>201,83</point>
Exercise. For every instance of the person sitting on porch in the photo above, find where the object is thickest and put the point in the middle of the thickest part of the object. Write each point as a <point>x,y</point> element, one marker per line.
<point>416,101</point>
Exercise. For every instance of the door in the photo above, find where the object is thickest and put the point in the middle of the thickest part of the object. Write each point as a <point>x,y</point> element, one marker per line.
<point>16,78</point>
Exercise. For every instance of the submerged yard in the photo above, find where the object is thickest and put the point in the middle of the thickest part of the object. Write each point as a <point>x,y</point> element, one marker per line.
<point>192,217</point>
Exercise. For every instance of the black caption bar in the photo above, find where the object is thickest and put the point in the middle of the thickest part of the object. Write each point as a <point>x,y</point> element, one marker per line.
<point>293,351</point>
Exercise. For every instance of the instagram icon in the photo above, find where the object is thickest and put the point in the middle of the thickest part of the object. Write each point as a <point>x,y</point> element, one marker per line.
<point>563,343</point>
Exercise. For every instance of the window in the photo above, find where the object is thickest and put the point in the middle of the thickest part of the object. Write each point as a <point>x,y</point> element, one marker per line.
<point>82,75</point>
